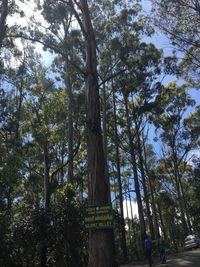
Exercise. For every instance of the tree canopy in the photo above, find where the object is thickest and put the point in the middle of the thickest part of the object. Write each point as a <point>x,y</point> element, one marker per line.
<point>87,121</point>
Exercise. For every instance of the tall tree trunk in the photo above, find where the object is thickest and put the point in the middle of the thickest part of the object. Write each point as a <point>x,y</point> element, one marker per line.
<point>161,221</point>
<point>19,105</point>
<point>68,85</point>
<point>46,176</point>
<point>134,239</point>
<point>122,223</point>
<point>135,173</point>
<point>151,190</point>
<point>128,221</point>
<point>180,199</point>
<point>146,193</point>
<point>3,16</point>
<point>43,252</point>
<point>185,205</point>
<point>105,141</point>
<point>153,205</point>
<point>101,241</point>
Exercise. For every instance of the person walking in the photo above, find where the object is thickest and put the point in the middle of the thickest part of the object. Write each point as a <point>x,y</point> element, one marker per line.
<point>161,249</point>
<point>148,249</point>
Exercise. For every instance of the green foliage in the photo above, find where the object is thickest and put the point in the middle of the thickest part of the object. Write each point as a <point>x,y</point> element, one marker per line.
<point>59,229</point>
<point>34,122</point>
<point>180,21</point>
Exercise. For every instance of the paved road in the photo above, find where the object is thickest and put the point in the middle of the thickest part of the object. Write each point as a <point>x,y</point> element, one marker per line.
<point>185,259</point>
<point>188,259</point>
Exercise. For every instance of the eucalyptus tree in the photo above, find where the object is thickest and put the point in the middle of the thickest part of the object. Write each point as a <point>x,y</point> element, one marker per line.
<point>44,133</point>
<point>97,185</point>
<point>136,65</point>
<point>177,140</point>
<point>138,88</point>
<point>96,164</point>
<point>192,124</point>
<point>150,162</point>
<point>14,82</point>
<point>68,45</point>
<point>179,20</point>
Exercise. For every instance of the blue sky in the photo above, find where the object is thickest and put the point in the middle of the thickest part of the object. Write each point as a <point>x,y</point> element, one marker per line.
<point>160,40</point>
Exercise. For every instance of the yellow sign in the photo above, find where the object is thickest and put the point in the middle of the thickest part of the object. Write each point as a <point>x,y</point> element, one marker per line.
<point>98,217</point>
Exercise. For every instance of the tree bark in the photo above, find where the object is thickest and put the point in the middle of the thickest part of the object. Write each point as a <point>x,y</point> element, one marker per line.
<point>70,121</point>
<point>100,241</point>
<point>3,16</point>
<point>180,199</point>
<point>43,251</point>
<point>135,173</point>
<point>151,190</point>
<point>185,205</point>
<point>161,222</point>
<point>105,141</point>
<point>46,176</point>
<point>146,194</point>
<point>122,222</point>
<point>154,213</point>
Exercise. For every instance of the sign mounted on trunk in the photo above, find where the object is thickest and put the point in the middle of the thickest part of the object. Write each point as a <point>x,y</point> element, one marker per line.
<point>98,217</point>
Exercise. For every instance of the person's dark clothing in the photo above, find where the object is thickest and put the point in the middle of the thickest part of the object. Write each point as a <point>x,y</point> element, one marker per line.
<point>148,250</point>
<point>161,249</point>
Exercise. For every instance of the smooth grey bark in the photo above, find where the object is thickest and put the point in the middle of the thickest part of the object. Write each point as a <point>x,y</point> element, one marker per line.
<point>185,205</point>
<point>161,221</point>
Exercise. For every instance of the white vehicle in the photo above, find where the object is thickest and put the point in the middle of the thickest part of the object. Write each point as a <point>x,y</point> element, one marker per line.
<point>192,241</point>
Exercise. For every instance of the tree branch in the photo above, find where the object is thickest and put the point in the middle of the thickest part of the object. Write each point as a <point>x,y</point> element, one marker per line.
<point>31,169</point>
<point>55,49</point>
<point>112,76</point>
<point>67,162</point>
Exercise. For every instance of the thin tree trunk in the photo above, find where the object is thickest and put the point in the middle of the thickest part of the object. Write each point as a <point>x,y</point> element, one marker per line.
<point>105,141</point>
<point>46,176</point>
<point>180,199</point>
<point>101,247</point>
<point>62,162</point>
<point>122,223</point>
<point>135,173</point>
<point>185,205</point>
<point>154,213</point>
<point>43,253</point>
<point>132,220</point>
<point>70,121</point>
<point>161,221</point>
<point>3,16</point>
<point>153,203</point>
<point>146,194</point>
<point>128,220</point>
